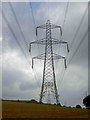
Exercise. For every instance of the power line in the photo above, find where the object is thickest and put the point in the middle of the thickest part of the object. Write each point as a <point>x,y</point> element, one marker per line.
<point>48,9</point>
<point>78,47</point>
<point>62,77</point>
<point>18,24</point>
<point>75,53</point>
<point>33,18</point>
<point>74,40</point>
<point>14,36</point>
<point>35,36</point>
<point>78,28</point>
<point>67,6</point>
<point>20,29</point>
<point>16,40</point>
<point>63,74</point>
<point>30,4</point>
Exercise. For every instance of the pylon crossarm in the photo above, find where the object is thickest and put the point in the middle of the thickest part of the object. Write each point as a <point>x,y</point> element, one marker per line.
<point>41,56</point>
<point>60,57</point>
<point>56,26</point>
<point>56,41</point>
<point>41,26</point>
<point>41,41</point>
<point>55,57</point>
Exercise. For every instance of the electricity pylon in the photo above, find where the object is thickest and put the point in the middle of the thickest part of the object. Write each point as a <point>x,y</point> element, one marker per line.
<point>49,87</point>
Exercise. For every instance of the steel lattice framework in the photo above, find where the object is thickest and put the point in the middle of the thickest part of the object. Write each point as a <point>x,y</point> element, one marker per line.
<point>49,87</point>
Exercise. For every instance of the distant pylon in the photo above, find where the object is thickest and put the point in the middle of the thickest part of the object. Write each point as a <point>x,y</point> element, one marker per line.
<point>49,87</point>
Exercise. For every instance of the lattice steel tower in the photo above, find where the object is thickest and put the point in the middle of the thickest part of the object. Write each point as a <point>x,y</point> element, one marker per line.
<point>49,88</point>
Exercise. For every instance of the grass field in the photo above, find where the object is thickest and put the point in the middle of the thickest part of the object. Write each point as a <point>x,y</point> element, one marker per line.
<point>0,109</point>
<point>32,110</point>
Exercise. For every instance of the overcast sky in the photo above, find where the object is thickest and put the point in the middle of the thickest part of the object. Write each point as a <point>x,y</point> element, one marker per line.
<point>19,81</point>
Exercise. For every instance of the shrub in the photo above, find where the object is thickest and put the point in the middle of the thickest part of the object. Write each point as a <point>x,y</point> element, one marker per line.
<point>18,100</point>
<point>78,106</point>
<point>86,102</point>
<point>64,106</point>
<point>33,101</point>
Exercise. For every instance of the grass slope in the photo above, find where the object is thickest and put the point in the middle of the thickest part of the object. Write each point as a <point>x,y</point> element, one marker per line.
<point>0,109</point>
<point>33,110</point>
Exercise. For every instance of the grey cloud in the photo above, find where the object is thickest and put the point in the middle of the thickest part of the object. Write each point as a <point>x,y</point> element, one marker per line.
<point>13,78</point>
<point>26,85</point>
<point>16,82</point>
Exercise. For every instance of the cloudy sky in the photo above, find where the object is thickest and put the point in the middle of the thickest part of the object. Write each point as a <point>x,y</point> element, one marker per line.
<point>19,80</point>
